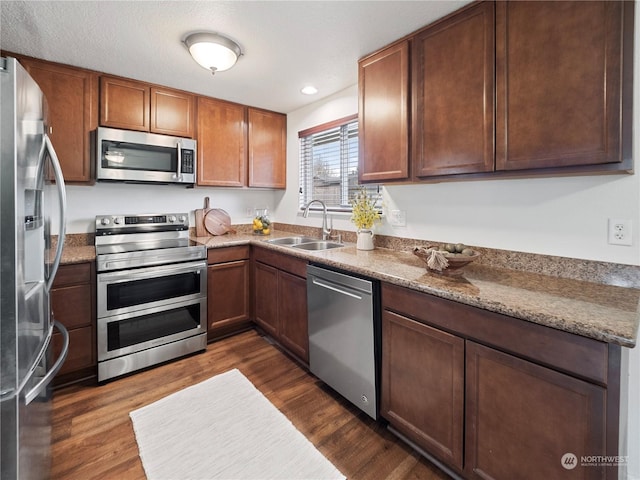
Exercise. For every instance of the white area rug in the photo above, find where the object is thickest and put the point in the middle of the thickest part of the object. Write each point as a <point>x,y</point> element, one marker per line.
<point>224,428</point>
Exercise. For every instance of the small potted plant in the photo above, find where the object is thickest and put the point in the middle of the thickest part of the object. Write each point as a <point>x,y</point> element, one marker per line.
<point>364,215</point>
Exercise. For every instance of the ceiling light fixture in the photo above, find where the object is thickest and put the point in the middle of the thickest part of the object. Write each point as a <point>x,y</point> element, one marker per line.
<point>309,90</point>
<point>213,51</point>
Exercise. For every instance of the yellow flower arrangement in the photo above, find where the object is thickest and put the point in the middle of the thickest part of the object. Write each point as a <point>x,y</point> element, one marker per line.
<point>364,212</point>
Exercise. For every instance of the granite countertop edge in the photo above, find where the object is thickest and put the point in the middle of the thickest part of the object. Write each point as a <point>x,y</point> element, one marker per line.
<point>405,270</point>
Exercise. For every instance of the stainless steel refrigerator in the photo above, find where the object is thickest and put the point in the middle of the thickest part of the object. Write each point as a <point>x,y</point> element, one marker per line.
<point>32,195</point>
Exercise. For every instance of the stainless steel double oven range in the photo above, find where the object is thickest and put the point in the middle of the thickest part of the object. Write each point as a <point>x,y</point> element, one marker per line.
<point>151,291</point>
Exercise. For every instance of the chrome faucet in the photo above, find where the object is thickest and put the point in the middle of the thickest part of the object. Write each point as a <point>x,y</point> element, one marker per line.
<point>325,230</point>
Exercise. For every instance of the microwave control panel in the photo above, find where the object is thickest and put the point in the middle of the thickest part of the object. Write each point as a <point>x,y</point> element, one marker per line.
<point>187,161</point>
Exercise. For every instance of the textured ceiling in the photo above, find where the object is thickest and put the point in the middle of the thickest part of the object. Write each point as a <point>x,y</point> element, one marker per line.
<point>286,44</point>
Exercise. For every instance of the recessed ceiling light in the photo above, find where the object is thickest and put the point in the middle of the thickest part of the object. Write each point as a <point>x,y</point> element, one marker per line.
<point>309,90</point>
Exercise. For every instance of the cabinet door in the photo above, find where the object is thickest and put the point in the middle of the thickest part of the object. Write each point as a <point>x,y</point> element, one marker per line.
<point>124,104</point>
<point>73,305</point>
<point>227,295</point>
<point>558,79</point>
<point>423,385</point>
<point>267,149</point>
<point>81,353</point>
<point>292,314</point>
<point>522,419</point>
<point>383,84</point>
<point>266,297</point>
<point>172,112</point>
<point>452,96</point>
<point>222,146</point>
<point>72,98</point>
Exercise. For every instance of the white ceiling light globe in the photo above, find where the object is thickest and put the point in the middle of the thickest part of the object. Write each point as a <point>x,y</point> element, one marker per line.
<point>212,51</point>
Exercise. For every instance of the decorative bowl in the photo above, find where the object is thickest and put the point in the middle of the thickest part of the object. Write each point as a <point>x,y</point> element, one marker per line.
<point>455,261</point>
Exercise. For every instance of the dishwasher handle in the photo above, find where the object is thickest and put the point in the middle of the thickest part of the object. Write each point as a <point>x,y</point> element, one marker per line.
<point>335,287</point>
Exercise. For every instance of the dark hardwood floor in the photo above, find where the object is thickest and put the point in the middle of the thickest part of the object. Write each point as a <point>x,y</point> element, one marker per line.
<point>93,435</point>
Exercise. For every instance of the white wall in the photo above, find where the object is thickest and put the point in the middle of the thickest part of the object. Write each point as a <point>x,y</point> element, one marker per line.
<point>556,216</point>
<point>84,203</point>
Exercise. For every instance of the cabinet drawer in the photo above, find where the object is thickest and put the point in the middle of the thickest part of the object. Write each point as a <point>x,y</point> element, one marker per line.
<point>287,263</point>
<point>81,350</point>
<point>72,275</point>
<point>72,305</point>
<point>227,254</point>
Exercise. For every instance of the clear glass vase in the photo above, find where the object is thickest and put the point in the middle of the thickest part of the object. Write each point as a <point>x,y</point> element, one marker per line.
<point>261,222</point>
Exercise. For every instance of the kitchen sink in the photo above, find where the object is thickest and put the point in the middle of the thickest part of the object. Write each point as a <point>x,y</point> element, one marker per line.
<point>291,240</point>
<point>318,245</point>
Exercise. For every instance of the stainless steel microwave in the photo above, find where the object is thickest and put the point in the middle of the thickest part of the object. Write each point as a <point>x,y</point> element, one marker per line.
<point>127,156</point>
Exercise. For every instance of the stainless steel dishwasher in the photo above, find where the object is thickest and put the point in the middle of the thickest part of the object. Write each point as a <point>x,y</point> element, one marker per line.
<point>344,335</point>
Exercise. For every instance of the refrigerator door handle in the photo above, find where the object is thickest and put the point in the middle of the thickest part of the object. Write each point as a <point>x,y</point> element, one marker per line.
<point>62,196</point>
<point>42,384</point>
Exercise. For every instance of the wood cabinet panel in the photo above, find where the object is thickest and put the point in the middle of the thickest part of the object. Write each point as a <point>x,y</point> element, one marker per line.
<point>81,351</point>
<point>72,305</point>
<point>172,112</point>
<point>222,143</point>
<point>293,265</point>
<point>227,254</point>
<point>72,274</point>
<point>453,95</point>
<point>124,104</point>
<point>267,143</point>
<point>227,295</point>
<point>72,98</point>
<point>574,354</point>
<point>560,109</point>
<point>423,385</point>
<point>280,302</point>
<point>265,292</point>
<point>292,313</point>
<point>73,302</point>
<point>522,419</point>
<point>383,86</point>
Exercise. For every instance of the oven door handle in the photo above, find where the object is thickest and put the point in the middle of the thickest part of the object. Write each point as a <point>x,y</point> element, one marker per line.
<point>151,272</point>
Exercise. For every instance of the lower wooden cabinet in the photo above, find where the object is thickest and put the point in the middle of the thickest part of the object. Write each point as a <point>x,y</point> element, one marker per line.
<point>73,304</point>
<point>280,300</point>
<point>423,385</point>
<point>227,291</point>
<point>523,418</point>
<point>495,397</point>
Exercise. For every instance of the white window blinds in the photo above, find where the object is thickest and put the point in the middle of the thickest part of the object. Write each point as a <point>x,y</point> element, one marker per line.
<point>329,164</point>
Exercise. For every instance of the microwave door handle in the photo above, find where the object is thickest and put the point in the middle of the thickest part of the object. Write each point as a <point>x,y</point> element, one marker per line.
<point>62,197</point>
<point>179,173</point>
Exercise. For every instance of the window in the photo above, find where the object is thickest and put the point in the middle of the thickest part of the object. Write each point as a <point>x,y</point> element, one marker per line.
<point>329,164</point>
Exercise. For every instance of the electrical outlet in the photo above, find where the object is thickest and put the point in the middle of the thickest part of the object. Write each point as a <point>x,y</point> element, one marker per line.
<point>249,211</point>
<point>619,232</point>
<point>398,218</point>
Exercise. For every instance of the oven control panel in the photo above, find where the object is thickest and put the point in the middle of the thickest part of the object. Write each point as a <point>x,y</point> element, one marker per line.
<point>112,224</point>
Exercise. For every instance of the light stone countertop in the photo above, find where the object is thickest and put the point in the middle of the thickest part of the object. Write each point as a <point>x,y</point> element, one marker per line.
<point>603,312</point>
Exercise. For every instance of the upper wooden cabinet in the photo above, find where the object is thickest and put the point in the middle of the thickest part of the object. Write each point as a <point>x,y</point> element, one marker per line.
<point>267,143</point>
<point>561,94</point>
<point>240,146</point>
<point>559,83</point>
<point>453,85</point>
<point>383,117</point>
<point>222,143</point>
<point>134,105</point>
<point>72,98</point>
